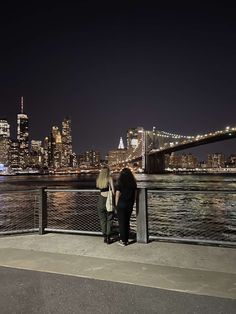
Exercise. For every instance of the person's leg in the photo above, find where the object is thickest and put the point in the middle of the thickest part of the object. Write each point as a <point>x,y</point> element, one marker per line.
<point>109,223</point>
<point>121,221</point>
<point>102,213</point>
<point>127,227</point>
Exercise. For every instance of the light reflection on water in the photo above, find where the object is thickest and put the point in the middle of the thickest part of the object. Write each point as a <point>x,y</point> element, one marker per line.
<point>193,215</point>
<point>187,182</point>
<point>177,213</point>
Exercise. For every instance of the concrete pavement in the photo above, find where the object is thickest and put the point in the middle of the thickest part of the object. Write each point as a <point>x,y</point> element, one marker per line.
<point>200,271</point>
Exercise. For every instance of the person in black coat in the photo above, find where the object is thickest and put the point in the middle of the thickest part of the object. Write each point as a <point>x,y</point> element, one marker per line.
<point>124,200</point>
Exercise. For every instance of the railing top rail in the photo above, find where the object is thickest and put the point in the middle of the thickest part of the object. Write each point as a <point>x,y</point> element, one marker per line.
<point>190,191</point>
<point>151,190</point>
<point>19,191</point>
<point>72,190</point>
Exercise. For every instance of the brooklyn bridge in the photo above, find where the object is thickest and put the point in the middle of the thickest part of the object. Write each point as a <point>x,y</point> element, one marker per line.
<point>148,154</point>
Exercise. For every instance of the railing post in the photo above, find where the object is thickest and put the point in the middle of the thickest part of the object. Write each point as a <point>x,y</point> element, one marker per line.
<point>42,210</point>
<point>142,216</point>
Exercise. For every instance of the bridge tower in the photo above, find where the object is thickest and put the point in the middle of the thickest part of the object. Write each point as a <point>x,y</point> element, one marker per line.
<point>151,163</point>
<point>155,163</point>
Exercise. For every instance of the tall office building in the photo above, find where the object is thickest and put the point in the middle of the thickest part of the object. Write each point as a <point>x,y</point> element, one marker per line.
<point>116,156</point>
<point>4,151</point>
<point>4,142</point>
<point>73,160</point>
<point>55,155</point>
<point>4,128</point>
<point>14,155</point>
<point>66,138</point>
<point>23,137</point>
<point>36,153</point>
<point>216,160</point>
<point>46,152</point>
<point>174,160</point>
<point>231,160</point>
<point>189,161</point>
<point>92,157</point>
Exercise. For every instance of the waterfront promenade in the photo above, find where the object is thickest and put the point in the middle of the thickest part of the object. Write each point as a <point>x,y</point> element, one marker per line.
<point>65,273</point>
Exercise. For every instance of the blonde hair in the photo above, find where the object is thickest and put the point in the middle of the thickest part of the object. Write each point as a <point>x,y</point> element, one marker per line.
<point>103,178</point>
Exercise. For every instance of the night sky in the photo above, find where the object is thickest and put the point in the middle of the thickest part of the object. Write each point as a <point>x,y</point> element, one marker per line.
<point>111,67</point>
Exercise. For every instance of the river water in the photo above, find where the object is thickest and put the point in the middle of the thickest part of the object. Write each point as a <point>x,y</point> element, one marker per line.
<point>190,207</point>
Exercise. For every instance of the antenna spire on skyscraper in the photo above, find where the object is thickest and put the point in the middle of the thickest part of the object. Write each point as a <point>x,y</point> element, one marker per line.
<point>22,105</point>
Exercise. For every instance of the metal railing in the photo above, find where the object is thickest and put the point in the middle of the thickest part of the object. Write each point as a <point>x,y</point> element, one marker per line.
<point>206,217</point>
<point>19,211</point>
<point>168,215</point>
<point>72,211</point>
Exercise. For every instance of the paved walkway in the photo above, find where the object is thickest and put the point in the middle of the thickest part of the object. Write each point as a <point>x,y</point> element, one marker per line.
<point>171,273</point>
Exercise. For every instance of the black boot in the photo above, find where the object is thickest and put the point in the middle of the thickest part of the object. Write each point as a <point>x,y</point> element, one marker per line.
<point>108,240</point>
<point>105,239</point>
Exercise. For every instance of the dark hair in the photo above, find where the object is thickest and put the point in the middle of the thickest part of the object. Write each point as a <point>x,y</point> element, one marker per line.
<point>127,179</point>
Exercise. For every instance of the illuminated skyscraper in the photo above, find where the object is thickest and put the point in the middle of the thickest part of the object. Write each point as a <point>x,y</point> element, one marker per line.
<point>92,157</point>
<point>116,156</point>
<point>4,128</point>
<point>216,160</point>
<point>188,161</point>
<point>46,151</point>
<point>23,137</point>
<point>36,153</point>
<point>231,160</point>
<point>14,155</point>
<point>55,148</point>
<point>4,142</point>
<point>66,142</point>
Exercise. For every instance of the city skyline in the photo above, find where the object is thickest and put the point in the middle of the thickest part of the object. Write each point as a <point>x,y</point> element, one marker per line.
<point>65,135</point>
<point>110,67</point>
<point>149,151</point>
<point>66,129</point>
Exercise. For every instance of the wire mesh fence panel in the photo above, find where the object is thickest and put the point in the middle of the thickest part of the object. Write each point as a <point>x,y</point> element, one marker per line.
<point>201,216</point>
<point>19,211</point>
<point>77,211</point>
<point>73,211</point>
